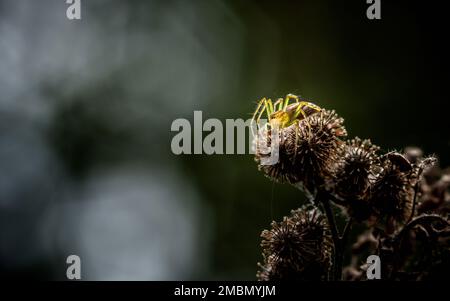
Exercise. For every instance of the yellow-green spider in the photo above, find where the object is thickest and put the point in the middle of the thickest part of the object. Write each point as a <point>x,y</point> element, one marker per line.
<point>283,114</point>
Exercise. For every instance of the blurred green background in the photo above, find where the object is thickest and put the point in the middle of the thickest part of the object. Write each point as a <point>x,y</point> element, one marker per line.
<point>86,108</point>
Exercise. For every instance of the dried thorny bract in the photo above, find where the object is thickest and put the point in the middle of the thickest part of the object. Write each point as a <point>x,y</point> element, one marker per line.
<point>307,152</point>
<point>297,248</point>
<point>401,199</point>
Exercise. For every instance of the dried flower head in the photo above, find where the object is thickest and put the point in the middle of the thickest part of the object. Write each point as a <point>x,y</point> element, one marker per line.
<point>391,191</point>
<point>283,171</point>
<point>299,247</point>
<point>307,152</point>
<point>352,177</point>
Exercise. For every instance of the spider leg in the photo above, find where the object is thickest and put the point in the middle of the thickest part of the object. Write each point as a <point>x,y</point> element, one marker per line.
<point>258,108</point>
<point>289,97</point>
<point>309,105</point>
<point>268,107</point>
<point>279,102</point>
<point>297,127</point>
<point>302,112</point>
<point>262,106</point>
<point>260,103</point>
<point>271,107</point>
<point>269,111</point>
<point>299,111</point>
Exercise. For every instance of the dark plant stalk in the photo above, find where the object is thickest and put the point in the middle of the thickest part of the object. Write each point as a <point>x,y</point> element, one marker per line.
<point>413,209</point>
<point>343,242</point>
<point>339,241</point>
<point>337,254</point>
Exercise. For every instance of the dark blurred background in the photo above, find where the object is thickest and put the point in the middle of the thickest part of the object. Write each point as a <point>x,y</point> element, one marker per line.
<point>86,108</point>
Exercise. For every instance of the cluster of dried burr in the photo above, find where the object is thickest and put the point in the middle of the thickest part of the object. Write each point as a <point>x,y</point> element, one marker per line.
<point>399,201</point>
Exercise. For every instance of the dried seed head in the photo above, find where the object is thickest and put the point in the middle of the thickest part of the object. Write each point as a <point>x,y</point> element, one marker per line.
<point>420,165</point>
<point>307,153</point>
<point>299,247</point>
<point>391,191</point>
<point>424,165</point>
<point>282,171</point>
<point>352,177</point>
<point>420,170</point>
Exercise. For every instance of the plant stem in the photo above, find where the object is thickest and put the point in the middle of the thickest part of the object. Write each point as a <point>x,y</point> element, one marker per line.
<point>339,241</point>
<point>343,242</point>
<point>330,216</point>
<point>337,255</point>
<point>416,190</point>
